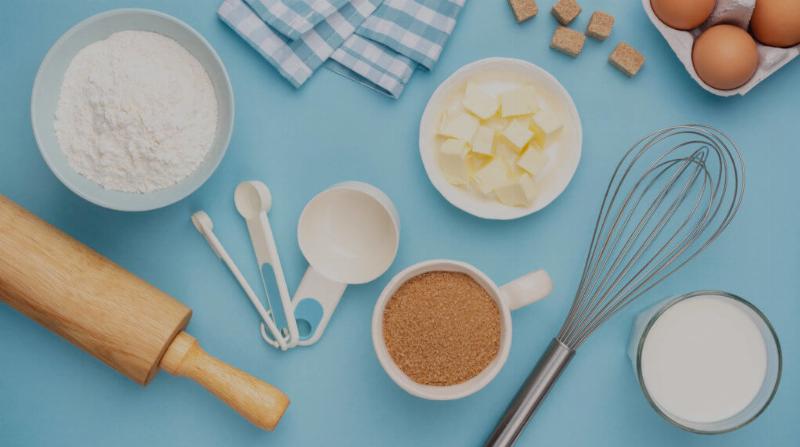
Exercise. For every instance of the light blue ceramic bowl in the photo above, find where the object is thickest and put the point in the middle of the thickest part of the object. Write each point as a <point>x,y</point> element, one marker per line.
<point>47,86</point>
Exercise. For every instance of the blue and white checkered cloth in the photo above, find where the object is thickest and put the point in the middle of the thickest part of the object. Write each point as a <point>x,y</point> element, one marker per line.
<point>379,43</point>
<point>293,18</point>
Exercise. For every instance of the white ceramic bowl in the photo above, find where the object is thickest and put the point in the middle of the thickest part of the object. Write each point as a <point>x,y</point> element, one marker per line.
<point>502,74</point>
<point>47,86</point>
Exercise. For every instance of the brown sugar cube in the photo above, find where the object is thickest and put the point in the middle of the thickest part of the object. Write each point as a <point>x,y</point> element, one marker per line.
<point>565,11</point>
<point>568,41</point>
<point>523,9</point>
<point>626,59</point>
<point>600,25</point>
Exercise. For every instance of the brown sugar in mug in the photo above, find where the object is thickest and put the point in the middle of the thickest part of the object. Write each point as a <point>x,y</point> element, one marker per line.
<point>514,295</point>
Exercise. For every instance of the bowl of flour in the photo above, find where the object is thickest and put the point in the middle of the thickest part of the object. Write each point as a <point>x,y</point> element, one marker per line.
<point>132,109</point>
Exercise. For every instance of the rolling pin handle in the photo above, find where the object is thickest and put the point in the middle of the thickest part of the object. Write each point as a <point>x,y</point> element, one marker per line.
<point>259,402</point>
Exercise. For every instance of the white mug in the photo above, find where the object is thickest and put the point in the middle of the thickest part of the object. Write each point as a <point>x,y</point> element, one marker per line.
<point>512,296</point>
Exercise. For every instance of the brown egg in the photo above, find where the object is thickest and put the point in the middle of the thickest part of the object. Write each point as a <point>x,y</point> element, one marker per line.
<point>777,22</point>
<point>683,14</point>
<point>725,57</point>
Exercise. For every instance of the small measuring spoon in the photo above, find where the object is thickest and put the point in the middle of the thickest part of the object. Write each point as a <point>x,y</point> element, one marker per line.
<point>203,223</point>
<point>253,201</point>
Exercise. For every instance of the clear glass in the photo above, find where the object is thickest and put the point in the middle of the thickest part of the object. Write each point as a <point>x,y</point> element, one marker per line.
<point>641,328</point>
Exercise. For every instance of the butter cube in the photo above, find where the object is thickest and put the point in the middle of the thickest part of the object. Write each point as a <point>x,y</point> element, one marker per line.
<point>491,176</point>
<point>477,161</point>
<point>511,194</point>
<point>519,101</point>
<point>546,125</point>
<point>528,186</point>
<point>505,151</point>
<point>496,123</point>
<point>483,140</point>
<point>519,192</point>
<point>479,102</point>
<point>518,133</point>
<point>455,108</point>
<point>459,125</point>
<point>453,161</point>
<point>533,160</point>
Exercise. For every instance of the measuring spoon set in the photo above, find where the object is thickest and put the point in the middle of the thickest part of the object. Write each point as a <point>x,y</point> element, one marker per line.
<point>349,234</point>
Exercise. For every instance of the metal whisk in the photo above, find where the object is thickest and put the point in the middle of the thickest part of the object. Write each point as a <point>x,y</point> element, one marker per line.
<point>671,195</point>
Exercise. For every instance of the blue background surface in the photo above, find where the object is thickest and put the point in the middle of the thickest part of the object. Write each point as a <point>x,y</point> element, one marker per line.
<point>300,142</point>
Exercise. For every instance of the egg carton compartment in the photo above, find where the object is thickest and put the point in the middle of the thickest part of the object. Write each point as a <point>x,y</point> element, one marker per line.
<point>735,12</point>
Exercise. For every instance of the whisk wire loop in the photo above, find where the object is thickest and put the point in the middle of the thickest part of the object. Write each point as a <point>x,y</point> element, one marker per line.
<point>625,264</point>
<point>668,199</point>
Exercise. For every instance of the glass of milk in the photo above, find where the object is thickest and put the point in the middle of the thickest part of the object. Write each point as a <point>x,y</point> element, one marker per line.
<point>708,361</point>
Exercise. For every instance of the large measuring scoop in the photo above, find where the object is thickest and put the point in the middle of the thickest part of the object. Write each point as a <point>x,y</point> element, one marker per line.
<point>349,234</point>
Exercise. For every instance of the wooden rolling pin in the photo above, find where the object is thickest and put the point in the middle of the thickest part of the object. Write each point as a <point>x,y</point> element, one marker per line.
<point>115,316</point>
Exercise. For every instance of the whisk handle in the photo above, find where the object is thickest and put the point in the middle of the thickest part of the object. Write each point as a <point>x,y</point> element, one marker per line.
<point>531,394</point>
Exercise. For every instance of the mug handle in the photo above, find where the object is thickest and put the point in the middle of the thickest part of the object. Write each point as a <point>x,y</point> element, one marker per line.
<point>313,304</point>
<point>526,289</point>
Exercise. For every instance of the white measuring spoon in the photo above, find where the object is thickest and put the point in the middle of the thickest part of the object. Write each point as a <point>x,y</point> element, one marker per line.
<point>203,223</point>
<point>253,201</point>
<point>350,235</point>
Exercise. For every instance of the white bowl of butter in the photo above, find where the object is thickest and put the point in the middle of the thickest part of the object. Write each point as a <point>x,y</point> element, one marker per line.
<point>500,138</point>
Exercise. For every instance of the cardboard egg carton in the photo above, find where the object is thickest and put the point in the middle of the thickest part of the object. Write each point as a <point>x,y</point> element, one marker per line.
<point>735,12</point>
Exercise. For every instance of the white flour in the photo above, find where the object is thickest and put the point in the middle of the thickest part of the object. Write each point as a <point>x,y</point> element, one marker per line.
<point>137,112</point>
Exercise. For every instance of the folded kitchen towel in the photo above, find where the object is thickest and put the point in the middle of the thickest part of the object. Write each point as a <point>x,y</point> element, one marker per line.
<point>293,18</point>
<point>372,64</point>
<point>417,29</point>
<point>296,59</point>
<point>391,43</point>
<point>379,43</point>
